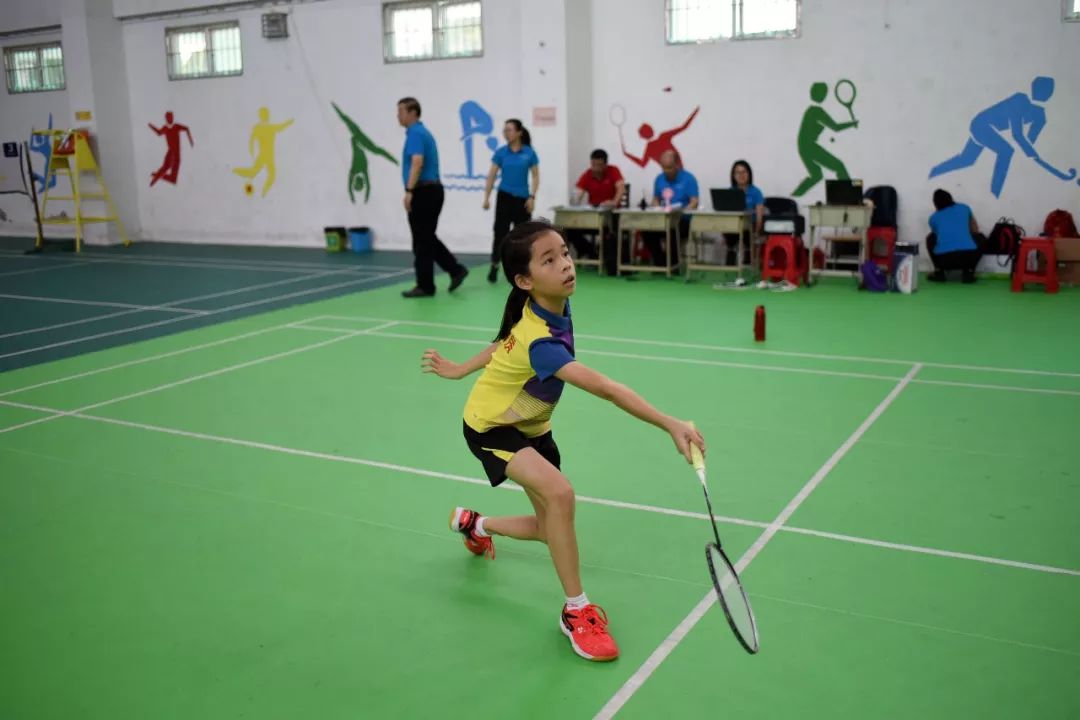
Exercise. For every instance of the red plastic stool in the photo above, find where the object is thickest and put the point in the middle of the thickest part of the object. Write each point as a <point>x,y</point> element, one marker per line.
<point>1047,276</point>
<point>881,244</point>
<point>783,259</point>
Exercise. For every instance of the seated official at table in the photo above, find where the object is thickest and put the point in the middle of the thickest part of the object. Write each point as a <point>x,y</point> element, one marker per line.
<point>602,185</point>
<point>742,178</point>
<point>674,187</point>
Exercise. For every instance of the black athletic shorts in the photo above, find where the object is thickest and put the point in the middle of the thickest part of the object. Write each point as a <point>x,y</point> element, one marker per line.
<point>495,447</point>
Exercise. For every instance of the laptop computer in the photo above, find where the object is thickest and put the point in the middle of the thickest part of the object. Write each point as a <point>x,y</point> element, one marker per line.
<point>728,199</point>
<point>843,192</point>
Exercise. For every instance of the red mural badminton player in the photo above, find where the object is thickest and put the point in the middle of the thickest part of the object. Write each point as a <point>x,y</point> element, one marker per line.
<point>507,419</point>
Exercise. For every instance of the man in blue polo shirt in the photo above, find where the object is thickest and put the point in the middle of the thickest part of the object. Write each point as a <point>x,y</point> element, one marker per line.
<point>423,203</point>
<point>674,187</point>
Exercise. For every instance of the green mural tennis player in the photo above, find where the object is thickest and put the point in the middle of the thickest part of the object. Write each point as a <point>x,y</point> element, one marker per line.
<point>815,121</point>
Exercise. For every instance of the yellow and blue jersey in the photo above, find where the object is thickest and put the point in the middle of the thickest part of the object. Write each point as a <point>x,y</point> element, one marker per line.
<point>518,386</point>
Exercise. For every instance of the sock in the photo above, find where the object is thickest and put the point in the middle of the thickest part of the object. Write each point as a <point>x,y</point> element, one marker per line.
<point>478,528</point>
<point>576,603</point>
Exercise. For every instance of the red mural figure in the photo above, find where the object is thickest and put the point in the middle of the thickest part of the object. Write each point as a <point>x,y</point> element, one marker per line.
<point>170,166</point>
<point>658,145</point>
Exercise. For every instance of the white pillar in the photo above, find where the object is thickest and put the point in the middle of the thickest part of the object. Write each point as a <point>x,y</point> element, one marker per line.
<point>96,77</point>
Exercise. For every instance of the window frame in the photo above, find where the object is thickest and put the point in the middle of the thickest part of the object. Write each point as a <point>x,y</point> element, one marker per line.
<point>736,22</point>
<point>207,30</point>
<point>38,48</point>
<point>437,50</point>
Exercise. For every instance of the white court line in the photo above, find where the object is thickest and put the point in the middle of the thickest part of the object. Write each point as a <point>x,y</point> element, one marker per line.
<point>230,308</point>
<point>605,502</point>
<point>193,378</point>
<point>991,386</point>
<point>182,301</point>
<point>921,626</point>
<point>223,264</point>
<point>40,269</point>
<point>150,358</point>
<point>711,363</point>
<point>654,358</point>
<point>635,681</point>
<point>269,263</point>
<point>89,256</point>
<point>97,303</point>
<point>749,351</point>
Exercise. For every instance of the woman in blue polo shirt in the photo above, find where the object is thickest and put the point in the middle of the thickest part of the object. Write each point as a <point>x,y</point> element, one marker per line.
<point>742,178</point>
<point>955,240</point>
<point>514,203</point>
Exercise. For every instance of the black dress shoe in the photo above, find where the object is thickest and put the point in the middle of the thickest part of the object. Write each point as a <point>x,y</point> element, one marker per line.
<point>493,274</point>
<point>456,280</point>
<point>936,276</point>
<point>417,292</point>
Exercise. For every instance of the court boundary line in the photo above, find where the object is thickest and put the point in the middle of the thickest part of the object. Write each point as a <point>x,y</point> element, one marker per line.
<point>640,676</point>
<point>746,350</point>
<point>28,271</point>
<point>715,363</point>
<point>182,301</point>
<point>230,308</point>
<point>89,256</point>
<point>587,499</point>
<point>190,379</point>
<point>84,261</point>
<point>95,303</point>
<point>149,358</point>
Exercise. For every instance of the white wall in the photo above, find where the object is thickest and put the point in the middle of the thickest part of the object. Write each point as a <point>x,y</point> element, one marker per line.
<point>23,113</point>
<point>29,15</point>
<point>334,53</point>
<point>922,68</point>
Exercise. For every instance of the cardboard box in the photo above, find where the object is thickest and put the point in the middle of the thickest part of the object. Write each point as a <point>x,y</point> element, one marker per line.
<point>1068,257</point>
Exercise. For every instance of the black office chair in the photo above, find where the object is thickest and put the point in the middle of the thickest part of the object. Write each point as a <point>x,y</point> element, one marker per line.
<point>783,218</point>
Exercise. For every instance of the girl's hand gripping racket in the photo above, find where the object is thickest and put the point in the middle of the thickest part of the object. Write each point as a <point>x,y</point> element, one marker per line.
<point>729,590</point>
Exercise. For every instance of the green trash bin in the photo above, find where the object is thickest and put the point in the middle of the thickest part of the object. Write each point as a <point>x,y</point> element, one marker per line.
<point>335,239</point>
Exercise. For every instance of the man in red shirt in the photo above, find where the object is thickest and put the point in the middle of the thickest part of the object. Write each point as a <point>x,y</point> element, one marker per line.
<point>604,186</point>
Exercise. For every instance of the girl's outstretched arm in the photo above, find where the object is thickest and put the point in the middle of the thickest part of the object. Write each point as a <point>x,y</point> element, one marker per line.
<point>604,387</point>
<point>433,362</point>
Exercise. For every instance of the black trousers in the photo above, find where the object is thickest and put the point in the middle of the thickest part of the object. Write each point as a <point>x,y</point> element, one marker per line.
<point>655,242</point>
<point>509,211</point>
<point>956,260</point>
<point>427,202</point>
<point>584,241</point>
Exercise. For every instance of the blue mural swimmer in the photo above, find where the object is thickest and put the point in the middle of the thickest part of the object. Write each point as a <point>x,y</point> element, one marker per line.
<point>43,144</point>
<point>475,122</point>
<point>1017,120</point>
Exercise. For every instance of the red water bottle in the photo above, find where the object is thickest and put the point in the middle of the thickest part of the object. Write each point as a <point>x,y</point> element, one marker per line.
<point>759,324</point>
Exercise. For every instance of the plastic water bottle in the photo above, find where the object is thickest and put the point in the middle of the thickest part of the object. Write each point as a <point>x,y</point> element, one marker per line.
<point>759,324</point>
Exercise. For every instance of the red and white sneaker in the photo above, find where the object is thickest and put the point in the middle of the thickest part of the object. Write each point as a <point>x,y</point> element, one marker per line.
<point>463,521</point>
<point>587,630</point>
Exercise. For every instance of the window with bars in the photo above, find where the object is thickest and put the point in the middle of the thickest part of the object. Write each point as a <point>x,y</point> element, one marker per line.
<point>695,21</point>
<point>202,51</point>
<point>432,30</point>
<point>1072,10</point>
<point>34,68</point>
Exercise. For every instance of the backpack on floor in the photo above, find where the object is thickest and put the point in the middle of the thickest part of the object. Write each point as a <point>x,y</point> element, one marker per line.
<point>872,277</point>
<point>1004,239</point>
<point>1060,223</point>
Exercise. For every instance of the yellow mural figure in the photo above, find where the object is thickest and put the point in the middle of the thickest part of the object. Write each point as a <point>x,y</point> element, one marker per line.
<point>264,134</point>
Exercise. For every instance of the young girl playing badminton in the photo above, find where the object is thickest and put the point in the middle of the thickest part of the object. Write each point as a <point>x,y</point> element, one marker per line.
<point>507,418</point>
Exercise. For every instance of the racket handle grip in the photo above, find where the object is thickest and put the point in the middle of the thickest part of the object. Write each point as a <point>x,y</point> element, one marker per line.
<point>695,453</point>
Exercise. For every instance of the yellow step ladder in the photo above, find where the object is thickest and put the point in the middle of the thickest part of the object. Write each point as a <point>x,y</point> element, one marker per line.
<point>71,156</point>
